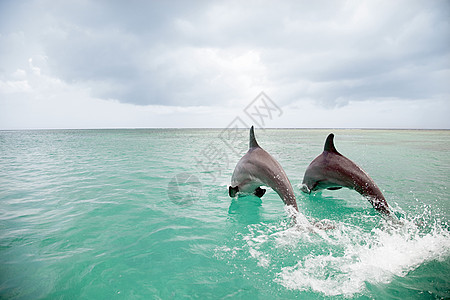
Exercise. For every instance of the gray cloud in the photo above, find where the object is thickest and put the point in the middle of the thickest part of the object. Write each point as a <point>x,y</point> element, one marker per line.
<point>214,53</point>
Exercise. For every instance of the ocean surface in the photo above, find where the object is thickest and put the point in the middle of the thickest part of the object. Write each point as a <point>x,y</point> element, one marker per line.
<point>145,214</point>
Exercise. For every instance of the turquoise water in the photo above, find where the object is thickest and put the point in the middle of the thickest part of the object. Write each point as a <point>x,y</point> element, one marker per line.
<point>145,214</point>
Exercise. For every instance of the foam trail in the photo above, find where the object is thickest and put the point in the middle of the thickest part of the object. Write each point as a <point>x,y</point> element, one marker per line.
<point>376,258</point>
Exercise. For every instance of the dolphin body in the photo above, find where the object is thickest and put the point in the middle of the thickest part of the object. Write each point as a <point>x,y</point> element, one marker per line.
<point>331,170</point>
<point>257,168</point>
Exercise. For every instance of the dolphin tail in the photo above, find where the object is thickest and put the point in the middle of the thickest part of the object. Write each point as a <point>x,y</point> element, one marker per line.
<point>253,142</point>
<point>232,191</point>
<point>379,204</point>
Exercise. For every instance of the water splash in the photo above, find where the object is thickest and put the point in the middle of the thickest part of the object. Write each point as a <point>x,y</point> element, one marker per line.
<point>343,260</point>
<point>375,257</point>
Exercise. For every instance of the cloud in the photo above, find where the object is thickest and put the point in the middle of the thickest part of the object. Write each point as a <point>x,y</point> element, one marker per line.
<point>35,100</point>
<point>222,54</point>
<point>384,113</point>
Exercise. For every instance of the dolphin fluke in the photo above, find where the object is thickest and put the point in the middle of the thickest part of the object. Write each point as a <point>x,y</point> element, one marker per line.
<point>253,142</point>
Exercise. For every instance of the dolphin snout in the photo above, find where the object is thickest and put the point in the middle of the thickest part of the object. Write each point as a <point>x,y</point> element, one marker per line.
<point>305,189</point>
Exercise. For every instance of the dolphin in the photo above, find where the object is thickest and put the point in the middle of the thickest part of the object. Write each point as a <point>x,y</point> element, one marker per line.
<point>257,168</point>
<point>331,170</point>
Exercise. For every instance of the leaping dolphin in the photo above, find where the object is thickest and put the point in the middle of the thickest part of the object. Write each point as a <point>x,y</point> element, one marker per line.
<point>257,168</point>
<point>331,170</point>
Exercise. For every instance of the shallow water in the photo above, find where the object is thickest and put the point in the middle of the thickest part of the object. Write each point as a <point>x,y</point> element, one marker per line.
<point>98,214</point>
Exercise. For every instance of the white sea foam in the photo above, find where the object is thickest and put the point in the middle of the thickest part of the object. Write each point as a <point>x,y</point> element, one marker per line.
<point>342,259</point>
<point>374,257</point>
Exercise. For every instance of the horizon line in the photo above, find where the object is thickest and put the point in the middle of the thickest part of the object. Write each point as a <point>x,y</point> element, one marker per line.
<point>207,128</point>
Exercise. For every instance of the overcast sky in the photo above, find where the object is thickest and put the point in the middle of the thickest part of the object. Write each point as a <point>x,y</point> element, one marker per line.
<point>103,64</point>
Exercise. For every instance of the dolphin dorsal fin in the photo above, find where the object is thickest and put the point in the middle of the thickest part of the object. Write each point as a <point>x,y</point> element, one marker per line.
<point>253,142</point>
<point>329,144</point>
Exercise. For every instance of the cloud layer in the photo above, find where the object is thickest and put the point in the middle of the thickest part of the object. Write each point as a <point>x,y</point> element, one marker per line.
<point>222,54</point>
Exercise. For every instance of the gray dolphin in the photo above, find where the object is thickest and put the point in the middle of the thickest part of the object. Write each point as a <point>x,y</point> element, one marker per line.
<point>331,170</point>
<point>257,168</point>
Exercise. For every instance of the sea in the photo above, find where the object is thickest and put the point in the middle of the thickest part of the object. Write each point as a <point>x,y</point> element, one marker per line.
<point>145,214</point>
